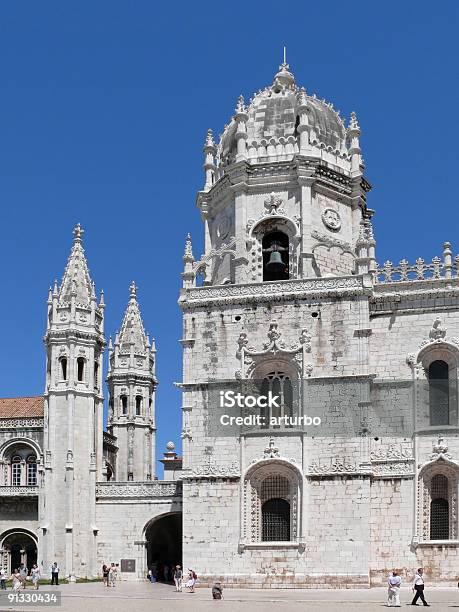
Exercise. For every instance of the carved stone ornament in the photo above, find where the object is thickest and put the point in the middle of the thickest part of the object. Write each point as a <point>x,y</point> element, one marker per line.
<point>438,332</point>
<point>250,358</point>
<point>331,219</point>
<point>440,449</point>
<point>133,489</point>
<point>273,205</point>
<point>333,466</point>
<point>271,450</point>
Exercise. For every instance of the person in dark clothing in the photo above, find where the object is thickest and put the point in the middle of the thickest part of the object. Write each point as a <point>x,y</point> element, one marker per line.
<point>217,591</point>
<point>418,588</point>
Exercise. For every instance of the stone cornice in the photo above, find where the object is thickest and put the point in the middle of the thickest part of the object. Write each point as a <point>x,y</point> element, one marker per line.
<point>274,291</point>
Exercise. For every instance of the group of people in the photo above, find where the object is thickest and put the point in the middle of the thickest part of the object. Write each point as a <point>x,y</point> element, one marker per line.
<point>394,583</point>
<point>109,574</point>
<point>19,577</point>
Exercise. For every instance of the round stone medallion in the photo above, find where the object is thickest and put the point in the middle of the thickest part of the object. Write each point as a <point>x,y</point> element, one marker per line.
<point>331,219</point>
<point>223,228</point>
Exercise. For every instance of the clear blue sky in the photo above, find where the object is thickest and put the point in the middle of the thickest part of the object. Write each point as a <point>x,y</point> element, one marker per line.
<point>104,109</point>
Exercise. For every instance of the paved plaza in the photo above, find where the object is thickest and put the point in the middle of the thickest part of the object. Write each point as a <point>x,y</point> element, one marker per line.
<point>143,597</point>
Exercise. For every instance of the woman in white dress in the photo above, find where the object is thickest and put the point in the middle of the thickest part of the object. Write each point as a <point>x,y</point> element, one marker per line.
<point>35,573</point>
<point>191,580</point>
<point>16,579</point>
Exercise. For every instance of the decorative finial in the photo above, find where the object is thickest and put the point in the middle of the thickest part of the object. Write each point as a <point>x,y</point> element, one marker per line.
<point>354,124</point>
<point>210,139</point>
<point>133,289</point>
<point>78,233</point>
<point>240,106</point>
<point>56,288</point>
<point>285,54</point>
<point>102,298</point>
<point>170,446</point>
<point>188,247</point>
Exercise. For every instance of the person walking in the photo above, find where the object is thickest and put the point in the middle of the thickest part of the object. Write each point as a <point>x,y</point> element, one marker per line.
<point>35,573</point>
<point>55,574</point>
<point>23,573</point>
<point>191,581</point>
<point>105,572</point>
<point>178,577</point>
<point>418,588</point>
<point>17,580</point>
<point>112,572</point>
<point>2,579</point>
<point>393,592</point>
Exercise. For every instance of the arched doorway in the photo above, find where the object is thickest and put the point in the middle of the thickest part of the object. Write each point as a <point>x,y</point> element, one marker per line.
<point>18,547</point>
<point>164,544</point>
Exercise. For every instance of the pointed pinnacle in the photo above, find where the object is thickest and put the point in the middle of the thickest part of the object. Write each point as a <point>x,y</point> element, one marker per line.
<point>188,247</point>
<point>209,139</point>
<point>240,106</point>
<point>78,233</point>
<point>354,124</point>
<point>133,290</point>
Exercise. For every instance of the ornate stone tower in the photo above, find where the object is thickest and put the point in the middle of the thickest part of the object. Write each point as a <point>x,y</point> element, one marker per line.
<point>286,274</point>
<point>132,383</point>
<point>74,343</point>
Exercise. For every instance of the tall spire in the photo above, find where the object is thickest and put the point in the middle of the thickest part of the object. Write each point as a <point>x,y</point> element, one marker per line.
<point>132,330</point>
<point>76,277</point>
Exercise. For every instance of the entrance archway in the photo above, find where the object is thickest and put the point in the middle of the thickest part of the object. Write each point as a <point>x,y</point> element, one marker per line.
<point>164,544</point>
<point>18,547</point>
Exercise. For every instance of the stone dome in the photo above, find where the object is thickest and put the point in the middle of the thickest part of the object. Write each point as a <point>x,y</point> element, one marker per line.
<point>272,114</point>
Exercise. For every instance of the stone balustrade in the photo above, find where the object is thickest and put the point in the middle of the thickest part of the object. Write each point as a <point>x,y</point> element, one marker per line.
<point>421,270</point>
<point>25,491</point>
<point>130,490</point>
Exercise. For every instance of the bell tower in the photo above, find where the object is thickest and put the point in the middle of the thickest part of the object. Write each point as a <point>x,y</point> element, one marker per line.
<point>73,396</point>
<point>132,383</point>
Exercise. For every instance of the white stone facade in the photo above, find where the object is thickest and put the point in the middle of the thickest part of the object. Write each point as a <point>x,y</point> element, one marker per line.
<point>359,340</point>
<point>287,292</point>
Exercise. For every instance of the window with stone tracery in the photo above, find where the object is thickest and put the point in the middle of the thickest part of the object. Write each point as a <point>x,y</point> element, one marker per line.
<point>279,385</point>
<point>437,507</point>
<point>271,504</point>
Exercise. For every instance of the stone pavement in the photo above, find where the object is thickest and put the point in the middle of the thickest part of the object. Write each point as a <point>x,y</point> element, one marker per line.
<point>143,597</point>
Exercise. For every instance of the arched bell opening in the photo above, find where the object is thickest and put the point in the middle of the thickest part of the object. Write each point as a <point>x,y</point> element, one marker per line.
<point>275,246</point>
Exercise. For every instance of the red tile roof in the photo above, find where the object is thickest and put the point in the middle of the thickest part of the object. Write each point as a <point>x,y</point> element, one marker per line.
<point>20,407</point>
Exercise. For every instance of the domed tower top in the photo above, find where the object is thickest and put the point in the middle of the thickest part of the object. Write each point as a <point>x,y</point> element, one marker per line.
<point>284,195</point>
<point>280,121</point>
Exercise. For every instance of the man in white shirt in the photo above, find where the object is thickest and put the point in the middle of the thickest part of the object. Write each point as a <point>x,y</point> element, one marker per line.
<point>418,587</point>
<point>393,593</point>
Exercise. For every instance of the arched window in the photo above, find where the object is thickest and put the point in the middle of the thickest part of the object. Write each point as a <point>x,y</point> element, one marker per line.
<point>439,508</point>
<point>63,362</point>
<point>16,471</point>
<point>275,520</point>
<point>279,385</point>
<point>138,405</point>
<point>31,471</point>
<point>438,375</point>
<point>96,373</point>
<point>80,369</point>
<point>271,504</point>
<point>124,404</point>
<point>275,246</point>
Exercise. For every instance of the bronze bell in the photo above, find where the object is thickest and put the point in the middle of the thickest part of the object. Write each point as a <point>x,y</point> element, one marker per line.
<point>275,263</point>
